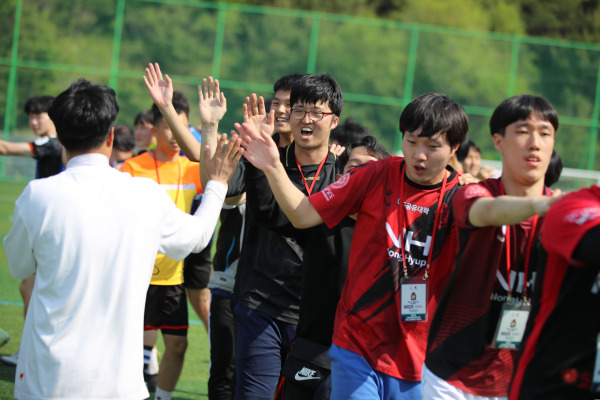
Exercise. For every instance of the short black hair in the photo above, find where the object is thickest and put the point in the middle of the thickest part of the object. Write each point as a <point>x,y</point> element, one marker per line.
<point>286,82</point>
<point>180,103</point>
<point>314,88</point>
<point>463,150</point>
<point>38,104</point>
<point>434,113</point>
<point>84,115</point>
<point>143,117</point>
<point>124,139</point>
<point>554,169</point>
<point>349,132</point>
<point>372,146</point>
<point>520,107</point>
<point>268,103</point>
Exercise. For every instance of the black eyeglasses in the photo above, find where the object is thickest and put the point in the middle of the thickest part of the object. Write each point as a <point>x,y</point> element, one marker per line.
<point>314,115</point>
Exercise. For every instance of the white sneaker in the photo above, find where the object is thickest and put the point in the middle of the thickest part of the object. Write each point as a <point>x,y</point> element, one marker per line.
<point>4,337</point>
<point>11,360</point>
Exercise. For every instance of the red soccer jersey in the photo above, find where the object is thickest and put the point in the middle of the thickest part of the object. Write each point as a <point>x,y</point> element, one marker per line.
<point>367,320</point>
<point>557,361</point>
<point>462,331</point>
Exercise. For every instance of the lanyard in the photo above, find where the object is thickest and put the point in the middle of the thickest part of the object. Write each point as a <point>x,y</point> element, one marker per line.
<point>435,222</point>
<point>309,190</point>
<point>527,253</point>
<point>158,177</point>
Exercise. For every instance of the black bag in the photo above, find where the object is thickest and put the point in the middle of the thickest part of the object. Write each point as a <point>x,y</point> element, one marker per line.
<point>307,363</point>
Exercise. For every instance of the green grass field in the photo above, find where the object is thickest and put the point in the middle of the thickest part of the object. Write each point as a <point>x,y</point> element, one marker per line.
<point>193,381</point>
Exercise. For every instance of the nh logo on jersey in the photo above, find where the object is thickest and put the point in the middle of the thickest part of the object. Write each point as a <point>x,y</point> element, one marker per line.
<point>306,374</point>
<point>409,240</point>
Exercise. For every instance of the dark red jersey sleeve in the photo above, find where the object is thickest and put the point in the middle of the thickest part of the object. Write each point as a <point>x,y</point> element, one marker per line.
<point>464,199</point>
<point>345,196</point>
<point>568,220</point>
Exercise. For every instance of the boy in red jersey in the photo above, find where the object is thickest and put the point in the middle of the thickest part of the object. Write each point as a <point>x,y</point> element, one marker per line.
<point>471,349</point>
<point>559,350</point>
<point>404,213</point>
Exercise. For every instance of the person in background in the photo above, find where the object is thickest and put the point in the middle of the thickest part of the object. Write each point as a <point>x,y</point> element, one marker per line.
<point>166,301</point>
<point>123,146</point>
<point>48,154</point>
<point>145,138</point>
<point>554,169</point>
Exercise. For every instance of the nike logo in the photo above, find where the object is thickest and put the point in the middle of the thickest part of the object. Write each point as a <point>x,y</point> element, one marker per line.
<point>306,374</point>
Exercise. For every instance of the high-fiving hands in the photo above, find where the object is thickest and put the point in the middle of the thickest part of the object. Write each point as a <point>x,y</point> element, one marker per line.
<point>221,166</point>
<point>254,113</point>
<point>259,147</point>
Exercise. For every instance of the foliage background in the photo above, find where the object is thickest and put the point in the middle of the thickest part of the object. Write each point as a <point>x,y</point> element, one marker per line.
<point>382,52</point>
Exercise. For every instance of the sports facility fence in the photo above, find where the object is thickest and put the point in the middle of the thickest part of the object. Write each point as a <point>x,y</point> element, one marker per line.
<point>380,64</point>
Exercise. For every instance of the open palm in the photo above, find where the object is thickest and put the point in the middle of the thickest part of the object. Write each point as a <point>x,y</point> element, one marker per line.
<point>161,90</point>
<point>212,104</point>
<point>259,147</point>
<point>255,114</point>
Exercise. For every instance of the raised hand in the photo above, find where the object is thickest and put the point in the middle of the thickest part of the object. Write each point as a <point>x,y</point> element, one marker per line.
<point>225,160</point>
<point>212,104</point>
<point>337,149</point>
<point>160,90</point>
<point>466,178</point>
<point>254,113</point>
<point>259,147</point>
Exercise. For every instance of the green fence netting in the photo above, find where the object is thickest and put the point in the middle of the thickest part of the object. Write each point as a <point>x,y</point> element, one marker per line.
<point>381,65</point>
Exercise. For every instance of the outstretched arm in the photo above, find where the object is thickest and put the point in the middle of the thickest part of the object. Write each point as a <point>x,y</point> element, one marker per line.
<point>15,148</point>
<point>509,210</point>
<point>212,106</point>
<point>161,91</point>
<point>262,152</point>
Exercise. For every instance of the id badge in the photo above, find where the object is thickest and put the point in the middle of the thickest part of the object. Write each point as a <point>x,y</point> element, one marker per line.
<point>596,377</point>
<point>511,326</point>
<point>413,304</point>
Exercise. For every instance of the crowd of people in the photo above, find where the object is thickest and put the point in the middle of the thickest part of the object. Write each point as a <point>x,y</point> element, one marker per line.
<point>339,271</point>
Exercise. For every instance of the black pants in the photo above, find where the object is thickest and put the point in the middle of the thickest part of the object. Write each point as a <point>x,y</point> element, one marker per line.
<point>221,382</point>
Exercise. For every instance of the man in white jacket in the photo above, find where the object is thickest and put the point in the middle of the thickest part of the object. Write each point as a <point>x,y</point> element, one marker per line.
<point>91,234</point>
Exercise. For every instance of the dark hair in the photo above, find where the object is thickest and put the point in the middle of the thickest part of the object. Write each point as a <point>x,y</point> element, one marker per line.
<point>143,117</point>
<point>372,146</point>
<point>463,150</point>
<point>83,115</point>
<point>314,88</point>
<point>124,139</point>
<point>434,113</point>
<point>519,108</point>
<point>180,104</point>
<point>286,82</point>
<point>349,132</point>
<point>38,104</point>
<point>554,169</point>
<point>268,103</point>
